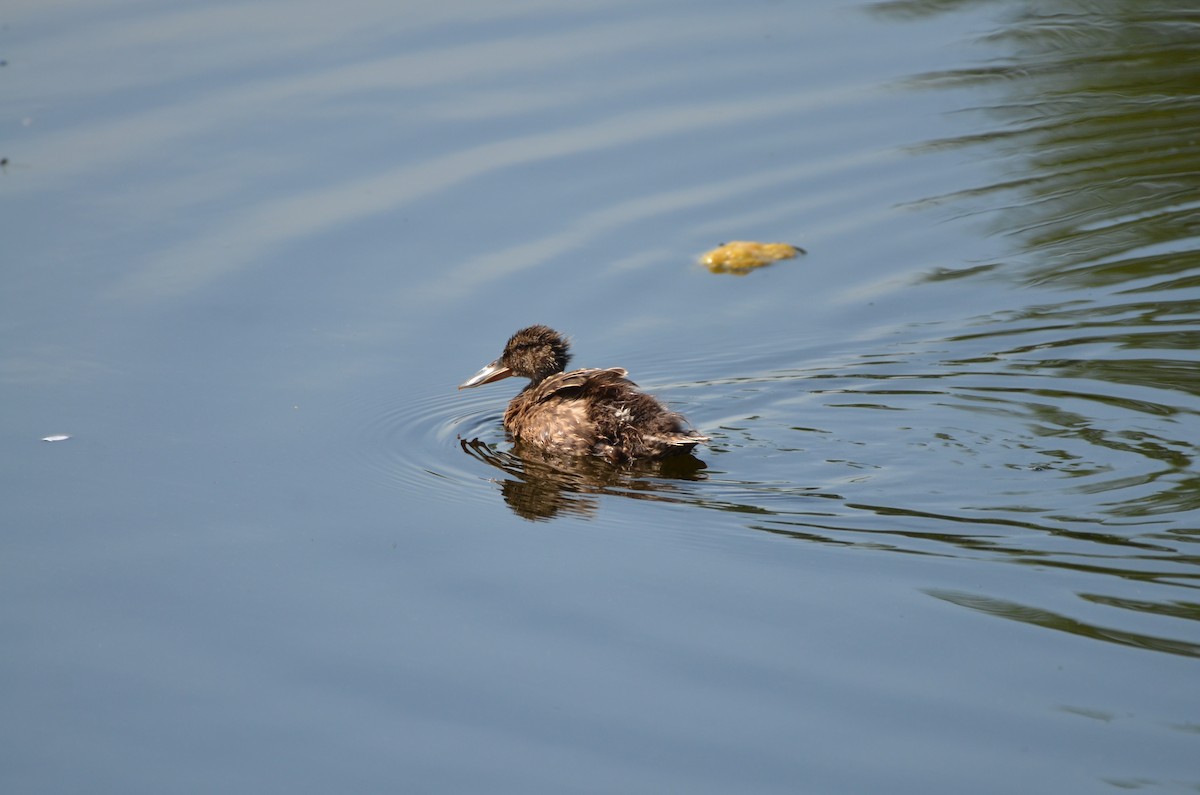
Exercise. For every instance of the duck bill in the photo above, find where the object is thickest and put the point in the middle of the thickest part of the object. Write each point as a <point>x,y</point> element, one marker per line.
<point>493,372</point>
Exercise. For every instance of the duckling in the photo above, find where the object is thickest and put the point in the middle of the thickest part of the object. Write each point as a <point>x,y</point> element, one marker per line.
<point>582,412</point>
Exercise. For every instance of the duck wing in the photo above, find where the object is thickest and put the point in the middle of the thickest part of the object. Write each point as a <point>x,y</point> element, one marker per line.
<point>576,382</point>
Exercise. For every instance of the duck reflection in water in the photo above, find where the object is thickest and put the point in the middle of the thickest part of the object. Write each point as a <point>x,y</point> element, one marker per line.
<point>584,412</point>
<point>542,485</point>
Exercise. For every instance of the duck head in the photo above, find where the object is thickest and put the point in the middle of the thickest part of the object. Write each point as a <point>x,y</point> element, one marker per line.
<point>534,352</point>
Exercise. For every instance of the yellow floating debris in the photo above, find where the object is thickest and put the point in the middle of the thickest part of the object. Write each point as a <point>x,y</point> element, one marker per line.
<point>743,256</point>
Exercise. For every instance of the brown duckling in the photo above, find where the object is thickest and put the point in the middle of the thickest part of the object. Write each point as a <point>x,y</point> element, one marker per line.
<point>583,412</point>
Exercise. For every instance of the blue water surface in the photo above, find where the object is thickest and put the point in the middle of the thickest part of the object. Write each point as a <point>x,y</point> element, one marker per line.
<point>943,539</point>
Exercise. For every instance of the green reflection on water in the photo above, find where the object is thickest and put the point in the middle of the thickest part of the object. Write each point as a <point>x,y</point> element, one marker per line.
<point>1096,122</point>
<point>1090,117</point>
<point>1050,620</point>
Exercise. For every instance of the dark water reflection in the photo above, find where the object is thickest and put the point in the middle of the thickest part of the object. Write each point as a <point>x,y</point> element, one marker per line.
<point>1029,614</point>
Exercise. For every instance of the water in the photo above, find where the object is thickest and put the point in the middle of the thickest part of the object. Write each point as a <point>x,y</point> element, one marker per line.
<point>944,536</point>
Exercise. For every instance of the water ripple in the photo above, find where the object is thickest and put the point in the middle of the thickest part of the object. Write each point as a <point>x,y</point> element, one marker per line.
<point>410,442</point>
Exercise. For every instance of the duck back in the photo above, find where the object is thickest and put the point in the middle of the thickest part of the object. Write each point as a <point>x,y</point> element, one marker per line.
<point>597,412</point>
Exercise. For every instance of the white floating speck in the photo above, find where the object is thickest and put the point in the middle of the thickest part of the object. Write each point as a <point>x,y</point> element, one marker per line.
<point>58,437</point>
